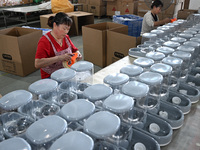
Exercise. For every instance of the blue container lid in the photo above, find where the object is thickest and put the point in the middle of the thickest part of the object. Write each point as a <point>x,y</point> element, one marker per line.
<point>173,61</point>
<point>77,110</point>
<point>131,70</point>
<point>46,129</point>
<point>116,79</point>
<point>156,56</point>
<point>43,86</point>
<point>143,62</point>
<point>74,140</point>
<point>81,66</point>
<point>102,124</point>
<point>118,103</point>
<point>97,92</point>
<point>15,99</point>
<point>161,68</point>
<point>15,143</point>
<point>63,74</point>
<point>151,78</point>
<point>135,89</point>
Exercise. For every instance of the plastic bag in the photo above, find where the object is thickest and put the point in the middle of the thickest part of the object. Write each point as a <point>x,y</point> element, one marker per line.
<point>61,6</point>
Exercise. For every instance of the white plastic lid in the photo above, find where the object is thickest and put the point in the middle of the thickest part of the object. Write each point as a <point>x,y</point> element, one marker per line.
<point>118,103</point>
<point>63,74</point>
<point>197,35</point>
<point>135,89</point>
<point>81,66</point>
<point>102,124</point>
<point>139,146</point>
<point>179,39</point>
<point>131,70</point>
<point>172,61</point>
<point>46,129</point>
<point>158,32</point>
<point>195,39</point>
<point>161,68</point>
<point>151,78</point>
<point>149,35</point>
<point>186,48</point>
<point>192,43</point>
<point>176,100</point>
<point>163,28</point>
<point>15,143</point>
<point>171,44</point>
<point>15,99</point>
<point>143,62</point>
<point>155,55</point>
<point>154,128</point>
<point>185,35</point>
<point>188,31</point>
<point>43,86</point>
<point>74,140</point>
<point>97,92</point>
<point>77,109</point>
<point>182,55</point>
<point>163,114</point>
<point>165,50</point>
<point>116,79</point>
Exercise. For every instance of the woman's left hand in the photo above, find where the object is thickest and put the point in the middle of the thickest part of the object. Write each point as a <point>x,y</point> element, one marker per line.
<point>79,56</point>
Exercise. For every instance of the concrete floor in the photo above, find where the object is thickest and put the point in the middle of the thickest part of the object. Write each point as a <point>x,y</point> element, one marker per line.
<point>10,82</point>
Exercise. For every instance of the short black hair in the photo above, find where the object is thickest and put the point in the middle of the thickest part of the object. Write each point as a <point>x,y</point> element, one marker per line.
<point>60,18</point>
<point>157,3</point>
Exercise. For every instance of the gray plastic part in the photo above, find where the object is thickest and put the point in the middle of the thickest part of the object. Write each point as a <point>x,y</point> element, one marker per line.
<point>192,92</point>
<point>164,136</point>
<point>175,115</point>
<point>185,104</point>
<point>149,142</point>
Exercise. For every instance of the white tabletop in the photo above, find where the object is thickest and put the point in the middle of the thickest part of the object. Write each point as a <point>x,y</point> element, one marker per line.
<point>26,9</point>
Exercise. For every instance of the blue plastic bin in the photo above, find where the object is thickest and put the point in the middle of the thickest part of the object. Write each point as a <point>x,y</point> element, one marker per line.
<point>133,22</point>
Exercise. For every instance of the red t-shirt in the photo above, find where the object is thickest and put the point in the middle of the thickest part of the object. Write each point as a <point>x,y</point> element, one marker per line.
<point>45,49</point>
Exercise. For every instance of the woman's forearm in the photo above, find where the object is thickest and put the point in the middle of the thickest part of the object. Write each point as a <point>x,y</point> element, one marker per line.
<point>44,62</point>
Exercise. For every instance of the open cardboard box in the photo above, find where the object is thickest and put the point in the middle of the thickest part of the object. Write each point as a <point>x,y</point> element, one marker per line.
<point>17,50</point>
<point>94,41</point>
<point>118,44</point>
<point>79,19</point>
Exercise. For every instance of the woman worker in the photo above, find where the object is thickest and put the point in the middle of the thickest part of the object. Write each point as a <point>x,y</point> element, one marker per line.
<point>151,20</point>
<point>55,46</point>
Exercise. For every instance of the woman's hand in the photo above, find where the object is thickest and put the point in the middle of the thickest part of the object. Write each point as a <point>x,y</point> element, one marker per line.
<point>65,57</point>
<point>79,56</point>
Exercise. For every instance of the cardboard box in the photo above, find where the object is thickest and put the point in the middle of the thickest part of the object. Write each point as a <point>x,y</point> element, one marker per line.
<point>118,44</point>
<point>17,50</point>
<point>83,1</point>
<point>97,2</point>
<point>97,10</point>
<point>183,14</point>
<point>44,21</point>
<point>128,7</point>
<point>94,41</point>
<point>80,19</point>
<point>112,7</point>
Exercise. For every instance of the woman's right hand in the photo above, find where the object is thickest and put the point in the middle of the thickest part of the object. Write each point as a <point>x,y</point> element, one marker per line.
<point>65,57</point>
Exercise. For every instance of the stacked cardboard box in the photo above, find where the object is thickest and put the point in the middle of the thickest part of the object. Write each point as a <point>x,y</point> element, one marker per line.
<point>184,13</point>
<point>79,19</point>
<point>97,7</point>
<point>105,43</point>
<point>170,12</point>
<point>123,6</point>
<point>85,5</point>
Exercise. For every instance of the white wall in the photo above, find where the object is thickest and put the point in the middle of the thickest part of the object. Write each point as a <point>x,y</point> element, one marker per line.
<point>194,4</point>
